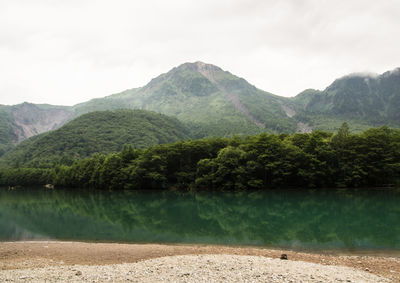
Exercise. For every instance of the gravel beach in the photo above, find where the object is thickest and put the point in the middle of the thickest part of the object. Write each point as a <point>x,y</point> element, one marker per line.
<point>195,268</point>
<point>108,262</point>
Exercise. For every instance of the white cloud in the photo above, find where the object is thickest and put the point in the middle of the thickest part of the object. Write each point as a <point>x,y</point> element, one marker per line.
<point>68,51</point>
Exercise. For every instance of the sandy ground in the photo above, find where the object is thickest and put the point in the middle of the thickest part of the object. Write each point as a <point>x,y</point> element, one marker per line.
<point>23,258</point>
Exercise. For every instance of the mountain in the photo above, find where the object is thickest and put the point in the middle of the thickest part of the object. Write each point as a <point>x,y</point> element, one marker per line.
<point>19,122</point>
<point>212,102</point>
<point>96,132</point>
<point>208,100</point>
<point>365,100</point>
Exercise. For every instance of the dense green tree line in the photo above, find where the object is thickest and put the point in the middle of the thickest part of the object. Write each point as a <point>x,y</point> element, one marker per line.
<point>319,159</point>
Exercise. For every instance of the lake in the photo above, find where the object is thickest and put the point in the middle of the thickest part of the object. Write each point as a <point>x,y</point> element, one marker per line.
<point>353,220</point>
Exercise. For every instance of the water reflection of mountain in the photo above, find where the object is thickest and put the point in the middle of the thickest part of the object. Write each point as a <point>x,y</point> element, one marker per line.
<point>314,219</point>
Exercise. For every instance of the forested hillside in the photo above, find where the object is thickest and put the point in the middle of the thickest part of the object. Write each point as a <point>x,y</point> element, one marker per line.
<point>319,159</point>
<point>364,100</point>
<point>96,132</point>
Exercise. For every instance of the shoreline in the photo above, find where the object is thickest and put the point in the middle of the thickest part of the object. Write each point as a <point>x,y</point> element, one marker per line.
<point>384,253</point>
<point>44,254</point>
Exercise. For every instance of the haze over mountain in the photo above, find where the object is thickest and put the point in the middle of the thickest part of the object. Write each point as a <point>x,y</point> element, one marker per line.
<point>373,98</point>
<point>364,100</point>
<point>214,102</point>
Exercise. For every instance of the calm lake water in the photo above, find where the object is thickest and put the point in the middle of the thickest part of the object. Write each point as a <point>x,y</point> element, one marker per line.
<point>303,219</point>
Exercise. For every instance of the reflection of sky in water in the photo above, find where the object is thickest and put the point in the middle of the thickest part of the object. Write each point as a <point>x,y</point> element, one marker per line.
<point>297,219</point>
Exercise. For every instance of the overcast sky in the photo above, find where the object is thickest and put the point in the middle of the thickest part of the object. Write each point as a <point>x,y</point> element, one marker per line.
<point>69,51</point>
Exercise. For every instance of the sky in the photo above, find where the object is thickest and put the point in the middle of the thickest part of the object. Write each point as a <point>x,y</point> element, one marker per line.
<point>65,52</point>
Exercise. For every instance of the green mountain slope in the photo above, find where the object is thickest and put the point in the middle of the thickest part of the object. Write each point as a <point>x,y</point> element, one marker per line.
<point>96,132</point>
<point>111,102</point>
<point>211,101</point>
<point>362,100</point>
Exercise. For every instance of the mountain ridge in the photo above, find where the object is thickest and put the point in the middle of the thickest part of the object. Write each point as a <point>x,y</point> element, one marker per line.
<point>214,102</point>
<point>371,98</point>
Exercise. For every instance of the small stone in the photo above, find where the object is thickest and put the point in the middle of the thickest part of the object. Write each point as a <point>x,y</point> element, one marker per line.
<point>367,269</point>
<point>284,256</point>
<point>78,273</point>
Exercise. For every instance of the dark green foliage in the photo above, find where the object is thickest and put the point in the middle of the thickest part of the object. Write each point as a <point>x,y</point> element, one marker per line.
<point>319,159</point>
<point>26,176</point>
<point>96,132</point>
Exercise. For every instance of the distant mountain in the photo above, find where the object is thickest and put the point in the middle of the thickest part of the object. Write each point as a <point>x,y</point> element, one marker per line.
<point>212,102</point>
<point>19,122</point>
<point>96,132</point>
<point>368,99</point>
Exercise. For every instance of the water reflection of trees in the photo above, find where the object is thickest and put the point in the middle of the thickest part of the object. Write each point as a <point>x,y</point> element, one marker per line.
<point>305,218</point>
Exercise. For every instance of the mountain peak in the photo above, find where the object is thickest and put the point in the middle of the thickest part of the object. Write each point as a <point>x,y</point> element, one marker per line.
<point>197,73</point>
<point>205,69</point>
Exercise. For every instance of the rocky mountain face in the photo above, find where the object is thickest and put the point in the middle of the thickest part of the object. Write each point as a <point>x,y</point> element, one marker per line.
<point>22,121</point>
<point>30,119</point>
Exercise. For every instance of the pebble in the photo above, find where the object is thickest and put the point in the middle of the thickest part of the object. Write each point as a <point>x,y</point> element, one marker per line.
<point>197,268</point>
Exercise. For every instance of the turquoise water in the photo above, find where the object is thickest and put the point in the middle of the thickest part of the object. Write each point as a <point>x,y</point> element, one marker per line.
<point>304,219</point>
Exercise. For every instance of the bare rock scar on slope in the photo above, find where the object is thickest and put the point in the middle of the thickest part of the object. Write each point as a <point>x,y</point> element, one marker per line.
<point>243,109</point>
<point>30,120</point>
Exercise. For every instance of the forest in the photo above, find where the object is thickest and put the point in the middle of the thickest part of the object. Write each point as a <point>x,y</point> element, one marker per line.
<point>265,161</point>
